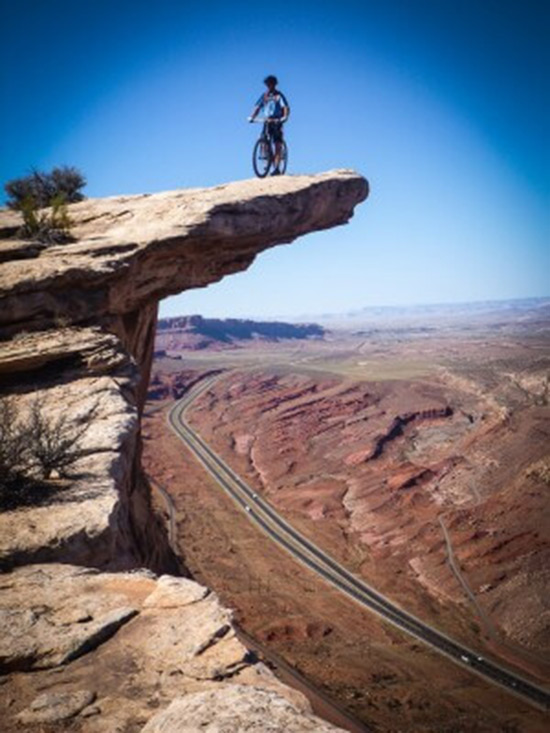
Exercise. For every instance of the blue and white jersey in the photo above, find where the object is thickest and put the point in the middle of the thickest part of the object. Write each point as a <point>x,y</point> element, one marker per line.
<point>271,104</point>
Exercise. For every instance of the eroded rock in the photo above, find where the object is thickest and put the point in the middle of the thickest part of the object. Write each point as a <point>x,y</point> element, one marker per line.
<point>173,592</point>
<point>51,707</point>
<point>234,708</point>
<point>134,250</point>
<point>52,614</point>
<point>136,640</point>
<point>79,319</point>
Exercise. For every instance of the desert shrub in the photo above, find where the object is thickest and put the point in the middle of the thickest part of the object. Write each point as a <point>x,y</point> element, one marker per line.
<point>35,444</point>
<point>42,188</point>
<point>13,443</point>
<point>35,192</point>
<point>67,182</point>
<point>51,226</point>
<point>54,443</point>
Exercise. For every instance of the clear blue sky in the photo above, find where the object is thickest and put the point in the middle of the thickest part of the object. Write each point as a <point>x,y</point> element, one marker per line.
<point>442,104</point>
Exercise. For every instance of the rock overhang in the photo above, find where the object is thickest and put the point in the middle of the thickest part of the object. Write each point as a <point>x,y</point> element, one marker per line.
<point>79,319</point>
<point>131,251</point>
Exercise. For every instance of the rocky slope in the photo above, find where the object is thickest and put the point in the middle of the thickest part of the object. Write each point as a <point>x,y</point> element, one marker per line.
<point>77,327</point>
<point>117,651</point>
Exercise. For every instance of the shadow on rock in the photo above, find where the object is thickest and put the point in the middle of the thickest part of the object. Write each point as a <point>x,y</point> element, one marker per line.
<point>24,492</point>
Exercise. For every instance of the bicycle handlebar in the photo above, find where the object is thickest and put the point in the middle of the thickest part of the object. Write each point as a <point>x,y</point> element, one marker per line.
<point>266,119</point>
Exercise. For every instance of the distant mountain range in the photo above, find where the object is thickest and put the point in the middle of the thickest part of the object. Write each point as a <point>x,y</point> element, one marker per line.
<point>516,308</point>
<point>195,332</point>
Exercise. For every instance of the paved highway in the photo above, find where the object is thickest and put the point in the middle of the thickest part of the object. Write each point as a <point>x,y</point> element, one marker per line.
<point>278,529</point>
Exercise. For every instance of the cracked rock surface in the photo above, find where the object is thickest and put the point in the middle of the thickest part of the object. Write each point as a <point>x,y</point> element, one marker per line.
<point>235,709</point>
<point>51,707</point>
<point>129,643</point>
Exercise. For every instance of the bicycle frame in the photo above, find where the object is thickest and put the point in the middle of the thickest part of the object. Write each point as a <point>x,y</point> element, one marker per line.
<point>272,148</point>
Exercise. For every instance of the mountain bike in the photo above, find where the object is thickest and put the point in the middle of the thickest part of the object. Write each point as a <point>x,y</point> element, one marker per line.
<point>264,152</point>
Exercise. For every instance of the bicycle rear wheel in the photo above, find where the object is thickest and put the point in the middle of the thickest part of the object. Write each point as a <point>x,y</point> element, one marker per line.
<point>262,157</point>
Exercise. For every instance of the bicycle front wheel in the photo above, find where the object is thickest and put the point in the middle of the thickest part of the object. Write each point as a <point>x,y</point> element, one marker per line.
<point>262,157</point>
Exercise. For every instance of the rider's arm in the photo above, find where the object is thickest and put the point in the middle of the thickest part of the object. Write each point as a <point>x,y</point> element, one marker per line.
<point>254,114</point>
<point>257,108</point>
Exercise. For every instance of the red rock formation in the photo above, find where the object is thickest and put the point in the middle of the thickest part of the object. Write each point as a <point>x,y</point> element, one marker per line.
<point>385,463</point>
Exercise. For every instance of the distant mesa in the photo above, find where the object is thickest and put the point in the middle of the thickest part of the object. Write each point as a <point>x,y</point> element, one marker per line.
<point>194,333</point>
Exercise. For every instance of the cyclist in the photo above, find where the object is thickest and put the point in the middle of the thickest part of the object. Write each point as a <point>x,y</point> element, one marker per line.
<point>275,108</point>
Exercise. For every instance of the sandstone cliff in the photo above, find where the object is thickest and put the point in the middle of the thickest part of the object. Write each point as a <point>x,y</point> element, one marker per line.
<point>77,325</point>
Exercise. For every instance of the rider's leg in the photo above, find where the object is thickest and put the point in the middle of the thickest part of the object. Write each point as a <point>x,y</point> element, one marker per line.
<point>277,156</point>
<point>277,134</point>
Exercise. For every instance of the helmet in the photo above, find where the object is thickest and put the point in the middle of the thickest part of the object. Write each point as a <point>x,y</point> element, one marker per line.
<point>271,80</point>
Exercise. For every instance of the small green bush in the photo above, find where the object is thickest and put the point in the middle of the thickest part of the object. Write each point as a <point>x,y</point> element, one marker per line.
<point>39,190</point>
<point>51,227</point>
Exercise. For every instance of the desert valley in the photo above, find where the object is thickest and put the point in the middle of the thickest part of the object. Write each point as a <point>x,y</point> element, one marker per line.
<point>412,447</point>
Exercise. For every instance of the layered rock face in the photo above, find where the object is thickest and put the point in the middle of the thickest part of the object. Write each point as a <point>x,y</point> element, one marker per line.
<point>132,251</point>
<point>77,326</point>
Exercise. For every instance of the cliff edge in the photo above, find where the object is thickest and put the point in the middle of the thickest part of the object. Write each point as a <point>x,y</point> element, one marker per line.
<point>77,327</point>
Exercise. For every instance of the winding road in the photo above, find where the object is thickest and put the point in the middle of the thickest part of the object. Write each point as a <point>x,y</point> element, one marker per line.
<point>278,529</point>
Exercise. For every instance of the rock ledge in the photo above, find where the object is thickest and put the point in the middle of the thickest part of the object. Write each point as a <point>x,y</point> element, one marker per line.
<point>77,326</point>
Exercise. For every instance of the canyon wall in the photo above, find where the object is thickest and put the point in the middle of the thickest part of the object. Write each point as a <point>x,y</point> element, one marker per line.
<point>77,325</point>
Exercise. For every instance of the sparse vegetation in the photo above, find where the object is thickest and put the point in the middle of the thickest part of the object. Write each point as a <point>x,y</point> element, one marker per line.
<point>50,227</point>
<point>35,445</point>
<point>39,190</point>
<point>54,443</point>
<point>13,442</point>
<point>61,321</point>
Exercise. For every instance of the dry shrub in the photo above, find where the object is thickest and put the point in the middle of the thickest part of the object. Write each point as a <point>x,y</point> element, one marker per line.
<point>35,445</point>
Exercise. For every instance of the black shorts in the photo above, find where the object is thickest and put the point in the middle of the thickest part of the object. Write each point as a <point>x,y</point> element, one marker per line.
<point>275,131</point>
